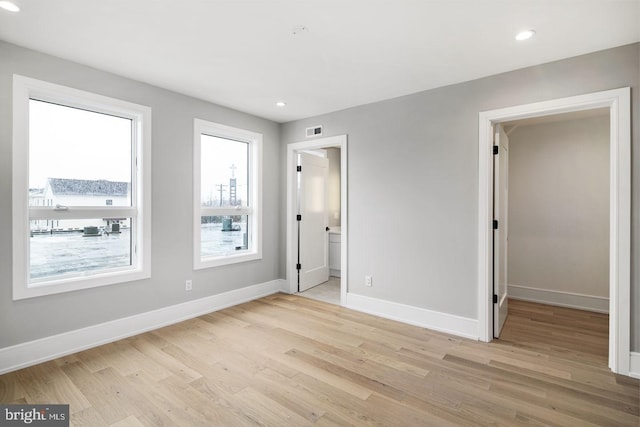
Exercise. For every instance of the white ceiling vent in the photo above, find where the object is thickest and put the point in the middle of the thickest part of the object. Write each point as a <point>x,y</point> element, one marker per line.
<point>314,131</point>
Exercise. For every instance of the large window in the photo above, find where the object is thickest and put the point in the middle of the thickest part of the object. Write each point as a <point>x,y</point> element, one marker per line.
<point>80,189</point>
<point>227,222</point>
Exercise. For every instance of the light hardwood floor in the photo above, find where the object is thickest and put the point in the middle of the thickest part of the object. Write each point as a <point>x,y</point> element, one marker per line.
<point>284,360</point>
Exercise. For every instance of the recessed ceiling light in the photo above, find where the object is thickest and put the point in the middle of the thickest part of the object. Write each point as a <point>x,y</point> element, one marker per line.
<point>281,104</point>
<point>11,7</point>
<point>524,35</point>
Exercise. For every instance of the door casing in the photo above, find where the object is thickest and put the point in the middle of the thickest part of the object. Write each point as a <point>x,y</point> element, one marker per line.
<point>618,101</point>
<point>339,141</point>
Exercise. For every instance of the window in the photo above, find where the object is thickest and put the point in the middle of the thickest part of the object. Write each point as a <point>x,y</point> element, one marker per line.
<point>73,151</point>
<point>227,195</point>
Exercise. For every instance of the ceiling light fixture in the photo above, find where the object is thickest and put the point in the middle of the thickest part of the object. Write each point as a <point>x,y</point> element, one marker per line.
<point>281,104</point>
<point>10,6</point>
<point>524,35</point>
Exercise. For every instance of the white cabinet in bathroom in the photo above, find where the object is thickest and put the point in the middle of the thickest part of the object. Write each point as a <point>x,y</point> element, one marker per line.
<point>334,251</point>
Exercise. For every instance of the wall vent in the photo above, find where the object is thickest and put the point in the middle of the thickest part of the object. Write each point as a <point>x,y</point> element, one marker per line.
<point>314,131</point>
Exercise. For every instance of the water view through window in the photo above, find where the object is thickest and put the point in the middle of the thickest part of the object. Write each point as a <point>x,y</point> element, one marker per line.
<point>66,251</point>
<point>78,158</point>
<point>223,235</point>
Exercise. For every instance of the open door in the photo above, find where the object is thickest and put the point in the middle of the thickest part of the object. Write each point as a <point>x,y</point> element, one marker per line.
<point>313,246</point>
<point>500,228</point>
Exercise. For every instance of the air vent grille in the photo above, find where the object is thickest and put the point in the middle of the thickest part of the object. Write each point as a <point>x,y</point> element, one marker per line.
<point>314,131</point>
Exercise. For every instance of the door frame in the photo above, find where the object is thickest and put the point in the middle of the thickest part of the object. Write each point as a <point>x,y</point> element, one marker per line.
<point>619,103</point>
<point>339,141</point>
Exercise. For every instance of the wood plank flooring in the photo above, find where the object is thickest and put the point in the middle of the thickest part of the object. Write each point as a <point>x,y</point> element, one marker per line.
<point>286,360</point>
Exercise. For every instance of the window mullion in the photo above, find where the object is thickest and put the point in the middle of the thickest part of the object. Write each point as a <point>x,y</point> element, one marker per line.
<point>207,211</point>
<point>39,213</point>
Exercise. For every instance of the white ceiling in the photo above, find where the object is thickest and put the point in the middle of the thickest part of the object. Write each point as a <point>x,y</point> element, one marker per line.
<point>242,53</point>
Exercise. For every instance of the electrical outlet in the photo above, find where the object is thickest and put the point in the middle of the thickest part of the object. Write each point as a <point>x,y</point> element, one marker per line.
<point>368,281</point>
<point>188,285</point>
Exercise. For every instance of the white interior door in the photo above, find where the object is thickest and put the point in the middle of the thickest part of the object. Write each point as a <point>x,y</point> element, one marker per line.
<point>313,245</point>
<point>500,233</point>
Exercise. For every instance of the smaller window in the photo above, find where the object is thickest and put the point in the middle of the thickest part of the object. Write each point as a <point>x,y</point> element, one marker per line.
<point>227,195</point>
<point>109,202</point>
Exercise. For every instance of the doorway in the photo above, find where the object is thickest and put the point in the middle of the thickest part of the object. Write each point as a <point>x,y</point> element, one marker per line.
<point>556,213</point>
<point>293,231</point>
<point>618,103</point>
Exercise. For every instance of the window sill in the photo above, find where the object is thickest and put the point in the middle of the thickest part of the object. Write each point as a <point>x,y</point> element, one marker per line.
<point>20,291</point>
<point>225,260</point>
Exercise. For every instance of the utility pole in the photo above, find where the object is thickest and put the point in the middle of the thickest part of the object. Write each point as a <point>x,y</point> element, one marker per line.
<point>220,189</point>
<point>232,186</point>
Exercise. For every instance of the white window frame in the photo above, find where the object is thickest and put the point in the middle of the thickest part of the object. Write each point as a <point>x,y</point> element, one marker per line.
<point>24,89</point>
<point>254,205</point>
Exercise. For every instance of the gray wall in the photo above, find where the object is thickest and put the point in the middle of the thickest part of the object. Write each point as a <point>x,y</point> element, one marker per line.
<point>559,206</point>
<point>413,190</point>
<point>412,178</point>
<point>172,134</point>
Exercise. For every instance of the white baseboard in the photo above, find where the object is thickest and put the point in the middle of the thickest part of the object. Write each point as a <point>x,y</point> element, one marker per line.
<point>442,322</point>
<point>48,348</point>
<point>634,369</point>
<point>558,298</point>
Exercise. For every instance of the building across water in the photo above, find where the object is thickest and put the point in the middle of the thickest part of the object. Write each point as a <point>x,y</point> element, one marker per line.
<point>80,193</point>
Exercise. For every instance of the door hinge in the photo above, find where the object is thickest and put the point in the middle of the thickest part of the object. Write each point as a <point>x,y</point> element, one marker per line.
<point>298,168</point>
<point>495,224</point>
<point>298,217</point>
<point>298,267</point>
<point>496,148</point>
<point>495,298</point>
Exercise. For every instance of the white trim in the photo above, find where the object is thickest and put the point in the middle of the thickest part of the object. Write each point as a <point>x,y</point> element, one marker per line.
<point>560,298</point>
<point>634,370</point>
<point>41,350</point>
<point>618,102</point>
<point>333,141</point>
<point>72,212</point>
<point>254,208</point>
<point>25,88</point>
<point>437,321</point>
